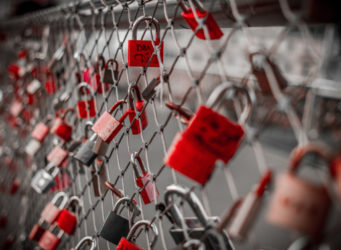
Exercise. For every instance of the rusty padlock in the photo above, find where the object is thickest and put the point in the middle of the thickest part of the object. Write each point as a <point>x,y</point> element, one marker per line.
<point>141,53</point>
<point>110,74</point>
<point>209,136</point>
<point>213,28</point>
<point>298,204</point>
<point>86,108</point>
<point>137,113</point>
<point>107,127</point>
<point>61,128</point>
<point>144,181</point>
<point>129,242</point>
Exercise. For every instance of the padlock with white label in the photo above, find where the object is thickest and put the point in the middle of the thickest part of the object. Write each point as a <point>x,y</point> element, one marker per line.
<point>68,217</point>
<point>137,113</point>
<point>106,126</point>
<point>299,204</point>
<point>129,242</point>
<point>61,128</point>
<point>143,180</point>
<point>43,179</point>
<point>209,136</point>
<point>86,108</point>
<point>140,52</point>
<point>110,74</point>
<point>213,29</point>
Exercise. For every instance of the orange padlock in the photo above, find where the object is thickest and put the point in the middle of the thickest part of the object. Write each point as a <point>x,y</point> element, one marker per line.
<point>298,204</point>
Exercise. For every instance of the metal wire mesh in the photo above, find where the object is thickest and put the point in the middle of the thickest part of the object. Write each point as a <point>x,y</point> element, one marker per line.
<point>190,70</point>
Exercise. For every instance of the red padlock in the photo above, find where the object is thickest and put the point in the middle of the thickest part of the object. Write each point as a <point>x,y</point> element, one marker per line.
<point>67,219</point>
<point>49,240</point>
<point>298,204</point>
<point>213,28</point>
<point>57,156</point>
<point>141,120</point>
<point>140,53</point>
<point>208,137</point>
<point>37,232</point>
<point>129,244</point>
<point>51,210</point>
<point>61,128</point>
<point>144,181</point>
<point>86,108</point>
<point>107,127</point>
<point>50,84</point>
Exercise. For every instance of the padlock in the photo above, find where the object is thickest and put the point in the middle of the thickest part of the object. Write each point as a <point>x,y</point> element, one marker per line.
<point>259,60</point>
<point>150,90</point>
<point>86,108</point>
<point>213,28</point>
<point>85,153</point>
<point>43,180</point>
<point>99,177</point>
<point>298,204</point>
<point>248,210</point>
<point>52,210</point>
<point>61,128</point>
<point>100,147</point>
<point>16,108</point>
<point>110,74</point>
<point>50,84</point>
<point>67,219</point>
<point>141,121</point>
<point>128,243</point>
<point>336,173</point>
<point>100,66</point>
<point>144,181</point>
<point>87,240</point>
<point>208,137</point>
<point>33,87</point>
<point>107,127</point>
<point>49,240</point>
<point>37,232</point>
<point>57,156</point>
<point>41,130</point>
<point>198,226</point>
<point>140,53</point>
<point>116,226</point>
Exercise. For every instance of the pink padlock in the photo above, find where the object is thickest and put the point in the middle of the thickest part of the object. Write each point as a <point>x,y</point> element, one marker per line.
<point>57,156</point>
<point>296,203</point>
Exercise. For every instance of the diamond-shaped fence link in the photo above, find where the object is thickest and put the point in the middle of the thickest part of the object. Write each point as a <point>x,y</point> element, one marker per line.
<point>78,34</point>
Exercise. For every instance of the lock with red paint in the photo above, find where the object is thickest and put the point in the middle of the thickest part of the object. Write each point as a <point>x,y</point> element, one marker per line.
<point>100,66</point>
<point>149,191</point>
<point>57,156</point>
<point>129,242</point>
<point>209,136</point>
<point>41,130</point>
<point>140,122</point>
<point>212,26</point>
<point>67,219</point>
<point>86,108</point>
<point>107,127</point>
<point>299,204</point>
<point>50,84</point>
<point>61,128</point>
<point>141,53</point>
<point>50,240</point>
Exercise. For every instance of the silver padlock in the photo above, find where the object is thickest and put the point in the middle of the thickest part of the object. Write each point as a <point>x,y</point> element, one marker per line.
<point>43,180</point>
<point>87,240</point>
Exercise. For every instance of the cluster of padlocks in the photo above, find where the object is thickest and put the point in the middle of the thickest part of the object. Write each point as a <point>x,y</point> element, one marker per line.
<point>297,204</point>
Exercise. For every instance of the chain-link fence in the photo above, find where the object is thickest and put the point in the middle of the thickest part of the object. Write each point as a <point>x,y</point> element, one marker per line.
<point>288,71</point>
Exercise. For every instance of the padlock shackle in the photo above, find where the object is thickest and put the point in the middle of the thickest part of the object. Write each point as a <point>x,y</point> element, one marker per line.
<point>187,195</point>
<point>116,105</point>
<point>77,200</point>
<point>263,182</point>
<point>81,86</point>
<point>313,148</point>
<point>113,189</point>
<point>147,18</point>
<point>147,225</point>
<point>193,243</point>
<point>48,119</point>
<point>186,9</point>
<point>87,128</point>
<point>84,240</point>
<point>58,196</point>
<point>131,205</point>
<point>79,57</point>
<point>67,111</point>
<point>137,91</point>
<point>100,62</point>
<point>112,62</point>
<point>51,166</point>
<point>180,111</point>
<point>135,156</point>
<point>221,90</point>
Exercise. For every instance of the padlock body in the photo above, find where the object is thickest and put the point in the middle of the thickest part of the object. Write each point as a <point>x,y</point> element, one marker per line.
<point>212,26</point>
<point>100,147</point>
<point>67,221</point>
<point>85,153</point>
<point>124,244</point>
<point>36,232</point>
<point>50,213</point>
<point>86,109</point>
<point>50,86</point>
<point>140,52</point>
<point>32,147</point>
<point>298,205</point>
<point>114,228</point>
<point>57,156</point>
<point>62,129</point>
<point>42,181</point>
<point>136,127</point>
<point>190,159</point>
<point>107,127</point>
<point>40,132</point>
<point>49,241</point>
<point>109,76</point>
<point>16,108</point>
<point>148,194</point>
